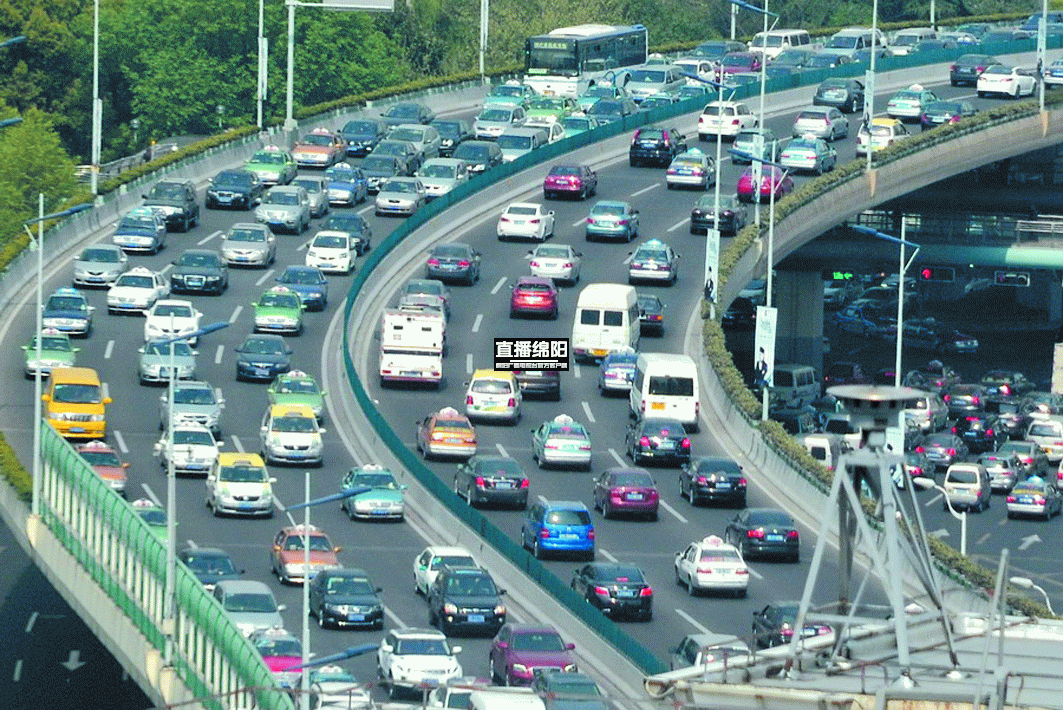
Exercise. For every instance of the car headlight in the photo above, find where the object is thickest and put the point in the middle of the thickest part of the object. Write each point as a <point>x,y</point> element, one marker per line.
<point>571,668</point>
<point>520,668</point>
<point>450,608</point>
<point>500,610</point>
<point>96,418</point>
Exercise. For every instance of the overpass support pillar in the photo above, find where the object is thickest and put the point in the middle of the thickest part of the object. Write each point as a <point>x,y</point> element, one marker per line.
<point>799,337</point>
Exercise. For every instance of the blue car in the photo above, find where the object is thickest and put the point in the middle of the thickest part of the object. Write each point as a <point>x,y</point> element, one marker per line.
<point>68,311</point>
<point>617,371</point>
<point>559,526</point>
<point>310,283</point>
<point>346,185</point>
<point>141,229</point>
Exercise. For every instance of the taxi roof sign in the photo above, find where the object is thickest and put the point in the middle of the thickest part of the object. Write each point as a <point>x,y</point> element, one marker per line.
<point>713,541</point>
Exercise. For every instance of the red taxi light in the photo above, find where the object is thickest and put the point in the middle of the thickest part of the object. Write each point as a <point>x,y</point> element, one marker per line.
<point>646,592</point>
<point>791,535</point>
<point>524,483</point>
<point>433,261</point>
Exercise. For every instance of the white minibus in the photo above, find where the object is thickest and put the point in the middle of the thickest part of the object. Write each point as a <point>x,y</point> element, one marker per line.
<point>607,319</point>
<point>666,385</point>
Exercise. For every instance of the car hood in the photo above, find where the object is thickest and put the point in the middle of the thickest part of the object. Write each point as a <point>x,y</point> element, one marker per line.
<point>129,292</point>
<point>64,313</point>
<point>474,600</point>
<point>559,659</point>
<point>438,182</point>
<point>420,662</point>
<point>317,558</point>
<point>279,664</point>
<point>110,473</point>
<point>352,599</point>
<point>278,209</point>
<point>196,410</point>
<point>262,357</point>
<point>98,267</point>
<point>380,495</point>
<point>189,452</point>
<point>179,361</point>
<point>244,488</point>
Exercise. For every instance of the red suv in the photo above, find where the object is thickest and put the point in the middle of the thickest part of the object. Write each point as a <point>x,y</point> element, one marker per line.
<point>534,295</point>
<point>579,181</point>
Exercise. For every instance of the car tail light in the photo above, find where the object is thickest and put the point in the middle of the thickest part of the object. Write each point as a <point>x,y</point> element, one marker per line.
<point>644,441</point>
<point>479,481</point>
<point>920,449</point>
<point>1059,475</point>
<point>947,397</point>
<point>975,399</point>
<point>989,432</point>
<point>916,470</point>
<point>743,482</point>
<point>535,264</point>
<point>952,451</point>
<point>734,122</point>
<point>952,67</point>
<point>702,480</point>
<point>524,483</point>
<point>551,446</point>
<point>621,221</point>
<point>704,569</point>
<point>685,443</point>
<point>512,402</point>
<point>646,592</point>
<point>504,219</point>
<point>792,535</point>
<point>1011,499</point>
<point>953,430</point>
<point>463,263</point>
<point>954,119</point>
<point>433,261</point>
<point>468,399</point>
<point>601,591</point>
<point>544,533</point>
<point>534,221</point>
<point>666,139</point>
<point>590,535</point>
<point>590,220</point>
<point>1040,500</point>
<point>755,533</point>
<point>567,265</point>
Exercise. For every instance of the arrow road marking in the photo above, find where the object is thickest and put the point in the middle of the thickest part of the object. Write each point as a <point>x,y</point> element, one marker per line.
<point>73,662</point>
<point>1029,540</point>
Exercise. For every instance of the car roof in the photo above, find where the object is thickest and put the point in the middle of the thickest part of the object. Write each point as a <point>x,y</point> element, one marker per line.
<point>238,586</point>
<point>291,410</point>
<point>235,458</point>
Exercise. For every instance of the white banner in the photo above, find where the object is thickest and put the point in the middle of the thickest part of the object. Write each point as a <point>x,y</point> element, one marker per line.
<point>712,264</point>
<point>764,346</point>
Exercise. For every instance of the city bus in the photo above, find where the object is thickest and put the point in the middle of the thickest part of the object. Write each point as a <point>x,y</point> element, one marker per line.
<point>568,60</point>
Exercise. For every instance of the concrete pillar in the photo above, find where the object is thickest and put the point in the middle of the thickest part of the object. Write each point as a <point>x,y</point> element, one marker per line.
<point>799,337</point>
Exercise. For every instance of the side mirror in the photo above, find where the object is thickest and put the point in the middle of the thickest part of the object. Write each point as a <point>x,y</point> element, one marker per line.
<point>282,607</point>
<point>107,400</point>
<point>570,646</point>
<point>322,431</point>
<point>273,480</point>
<point>455,650</point>
<point>337,549</point>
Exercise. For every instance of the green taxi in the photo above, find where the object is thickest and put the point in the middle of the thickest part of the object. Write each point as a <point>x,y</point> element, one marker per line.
<point>153,515</point>
<point>273,166</point>
<point>56,351</point>
<point>550,108</point>
<point>297,387</point>
<point>279,310</point>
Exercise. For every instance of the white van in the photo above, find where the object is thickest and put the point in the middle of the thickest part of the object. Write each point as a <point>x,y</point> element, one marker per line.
<point>505,699</point>
<point>904,40</point>
<point>776,41</point>
<point>850,41</point>
<point>825,448</point>
<point>607,319</point>
<point>666,385</point>
<point>697,66</point>
<point>794,385</point>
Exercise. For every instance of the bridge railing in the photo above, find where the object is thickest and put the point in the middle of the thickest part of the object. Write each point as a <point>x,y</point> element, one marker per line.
<point>127,560</point>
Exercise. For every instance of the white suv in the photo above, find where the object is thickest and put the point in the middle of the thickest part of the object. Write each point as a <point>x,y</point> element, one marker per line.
<point>408,659</point>
<point>725,118</point>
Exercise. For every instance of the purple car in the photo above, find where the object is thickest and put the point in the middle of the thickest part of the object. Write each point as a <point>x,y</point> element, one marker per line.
<point>626,490</point>
<point>518,648</point>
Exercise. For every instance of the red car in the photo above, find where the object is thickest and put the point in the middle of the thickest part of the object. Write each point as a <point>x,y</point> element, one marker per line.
<point>739,63</point>
<point>534,295</point>
<point>770,177</point>
<point>578,181</point>
<point>518,648</point>
<point>626,490</point>
<point>105,462</point>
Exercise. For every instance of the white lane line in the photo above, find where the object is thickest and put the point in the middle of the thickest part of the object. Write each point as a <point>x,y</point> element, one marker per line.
<point>576,371</point>
<point>106,391</point>
<point>120,440</point>
<point>692,621</point>
<point>580,222</point>
<point>32,620</point>
<point>542,499</point>
<point>151,494</point>
<point>933,500</point>
<point>166,269</point>
<point>498,286</point>
<point>262,279</point>
<point>236,314</point>
<point>981,540</point>
<point>617,457</point>
<point>468,364</point>
<point>502,450</point>
<point>192,544</point>
<point>236,443</point>
<point>17,675</point>
<point>477,322</point>
<point>218,354</point>
<point>755,573</point>
<point>367,208</point>
<point>629,258</point>
<point>645,189</point>
<point>673,511</point>
<point>587,411</point>
<point>394,618</point>
<point>607,555</point>
<point>677,225</point>
<point>207,238</point>
<point>108,350</point>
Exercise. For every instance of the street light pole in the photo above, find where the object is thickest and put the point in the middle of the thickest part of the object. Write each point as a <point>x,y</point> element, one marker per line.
<point>261,74</point>
<point>869,88</point>
<point>1042,47</point>
<point>1027,583</point>
<point>304,696</point>
<point>97,104</point>
<point>289,120</point>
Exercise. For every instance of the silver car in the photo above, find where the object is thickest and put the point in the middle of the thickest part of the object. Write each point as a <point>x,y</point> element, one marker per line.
<point>441,175</point>
<point>285,207</point>
<point>156,361</point>
<point>99,265</point>
<point>247,244</point>
<point>193,401</point>
<point>401,195</point>
<point>825,122</point>
<point>317,190</point>
<point>930,412</point>
<point>494,119</point>
<point>249,604</point>
<point>425,139</point>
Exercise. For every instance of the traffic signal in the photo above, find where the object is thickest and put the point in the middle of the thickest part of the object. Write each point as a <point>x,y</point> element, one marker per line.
<point>937,273</point>
<point>1012,278</point>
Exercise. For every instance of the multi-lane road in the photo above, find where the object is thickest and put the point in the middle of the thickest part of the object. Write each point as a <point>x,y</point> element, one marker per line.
<point>480,313</point>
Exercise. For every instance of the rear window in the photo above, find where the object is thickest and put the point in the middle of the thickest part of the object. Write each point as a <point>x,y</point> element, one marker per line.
<point>671,386</point>
<point>568,517</point>
<point>812,116</point>
<point>590,316</point>
<point>491,387</point>
<point>613,318</point>
<point>963,475</point>
<point>784,378</point>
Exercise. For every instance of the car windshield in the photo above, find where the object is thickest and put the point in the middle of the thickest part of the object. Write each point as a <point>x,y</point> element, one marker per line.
<point>268,158</point>
<point>453,424</point>
<point>376,480</point>
<point>196,437</point>
<point>297,425</point>
<point>647,76</point>
<point>263,346</point>
<point>439,171</point>
<point>537,641</point>
<point>427,287</point>
<point>153,516</point>
<point>318,543</point>
<point>278,197</point>
<point>167,191</point>
<point>575,123</point>
<point>406,134</point>
<point>208,563</point>
<point>882,131</point>
<point>279,647</point>
<point>399,186</point>
<point>559,252</point>
<point>421,647</point>
<point>51,342</point>
<point>250,602</point>
<point>298,387</point>
<point>246,235</point>
<point>722,554</point>
<point>500,115</point>
<point>77,394</point>
<point>104,256</point>
<point>315,139</point>
<point>962,475</point>
<point>571,430</point>
<point>606,107</point>
<point>360,128</point>
<point>534,286</point>
<point>236,178</point>
<point>177,310</point>
<point>134,281</point>
<point>1044,429</point>
<point>909,96</point>
<point>301,276</point>
<point>311,185</point>
<point>330,241</point>
<point>404,111</point>
<point>194,395</point>
<point>198,259</point>
<point>279,300</point>
<point>136,222</point>
<point>822,60</point>
<point>341,172</point>
<point>100,457</point>
<point>448,129</point>
<point>66,303</point>
<point>378,163</point>
<point>998,69</point>
<point>737,60</point>
<point>485,386</point>
<point>716,110</point>
<point>349,586</point>
<point>181,348</point>
<point>242,474</point>
<point>475,153</point>
<point>471,585</point>
<point>514,142</point>
<point>441,561</point>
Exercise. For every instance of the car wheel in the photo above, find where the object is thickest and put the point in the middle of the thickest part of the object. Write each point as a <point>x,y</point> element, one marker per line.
<point>954,82</point>
<point>606,511</point>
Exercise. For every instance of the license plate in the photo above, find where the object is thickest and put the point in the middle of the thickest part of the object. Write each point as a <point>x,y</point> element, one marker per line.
<point>77,429</point>
<point>409,373</point>
<point>246,506</point>
<point>599,352</point>
<point>504,484</point>
<point>722,486</point>
<point>775,538</point>
<point>635,496</point>
<point>569,536</point>
<point>380,512</point>
<point>626,593</point>
<point>518,221</point>
<point>356,617</point>
<point>724,570</point>
<point>261,371</point>
<point>1025,500</point>
<point>476,618</point>
<point>657,406</point>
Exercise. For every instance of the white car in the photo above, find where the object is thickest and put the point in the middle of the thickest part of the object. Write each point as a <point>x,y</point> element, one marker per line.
<point>691,169</point>
<point>136,290</point>
<point>555,261</point>
<point>433,558</point>
<point>1054,73</point>
<point>290,434</point>
<point>725,118</point>
<point>554,130</point>
<point>1006,81</point>
<point>527,220</point>
<point>332,251</point>
<point>239,484</point>
<point>195,450</point>
<point>711,564</point>
<point>409,658</point>
<point>333,687</point>
<point>171,318</point>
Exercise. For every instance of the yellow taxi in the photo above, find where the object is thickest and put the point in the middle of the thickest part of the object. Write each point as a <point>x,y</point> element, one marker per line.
<point>883,133</point>
<point>447,432</point>
<point>493,395</point>
<point>290,434</point>
<point>75,404</point>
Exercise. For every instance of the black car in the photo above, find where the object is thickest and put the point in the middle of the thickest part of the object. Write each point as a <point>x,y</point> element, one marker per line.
<point>765,531</point>
<point>618,590</point>
<point>262,357</point>
<point>354,226</point>
<point>774,625</point>
<point>564,690</point>
<point>733,214</point>
<point>362,135</point>
<point>710,479</point>
<point>741,315</point>
<point>465,599</point>
<point>175,201</point>
<point>452,133</point>
<point>938,113</point>
<point>210,565</point>
<point>346,597</point>
<point>981,432</point>
<point>1009,383</point>
<point>847,95</point>
<point>969,67</point>
<point>494,479</point>
<point>657,440</point>
<point>1010,415</point>
<point>942,450</point>
<point>199,271</point>
<point>480,155</point>
<point>379,169</point>
<point>655,145</point>
<point>651,314</point>
<point>408,112</point>
<point>405,151</point>
<point>610,110</point>
<point>455,261</point>
<point>965,399</point>
<point>545,384</point>
<point>234,188</point>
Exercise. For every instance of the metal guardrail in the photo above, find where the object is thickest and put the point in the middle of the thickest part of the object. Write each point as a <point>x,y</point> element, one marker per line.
<point>128,561</point>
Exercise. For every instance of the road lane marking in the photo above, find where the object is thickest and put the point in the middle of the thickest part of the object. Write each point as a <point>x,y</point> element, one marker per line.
<point>108,350</point>
<point>477,322</point>
<point>236,314</point>
<point>32,620</point>
<point>982,539</point>
<point>218,354</point>
<point>607,555</point>
<point>674,512</point>
<point>106,391</point>
<point>262,279</point>
<point>192,544</point>
<point>579,222</point>
<point>468,364</point>
<point>678,224</point>
<point>166,269</point>
<point>692,621</point>
<point>755,573</point>
<point>367,208</point>
<point>619,459</point>
<point>120,440</point>
<point>237,444</point>
<point>645,189</point>
<point>151,494</point>
<point>498,286</point>
<point>502,450</point>
<point>207,238</point>
<point>629,258</point>
<point>933,500</point>
<point>542,499</point>
<point>394,617</point>
<point>17,675</point>
<point>587,411</point>
<point>576,371</point>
